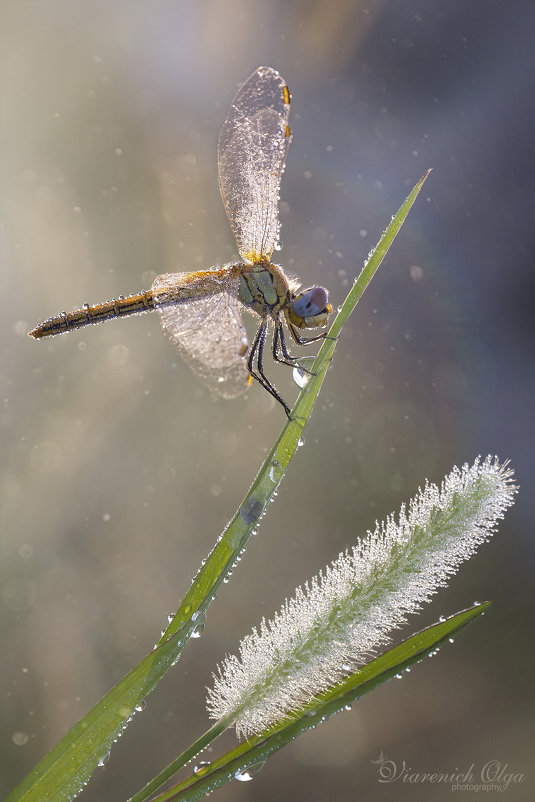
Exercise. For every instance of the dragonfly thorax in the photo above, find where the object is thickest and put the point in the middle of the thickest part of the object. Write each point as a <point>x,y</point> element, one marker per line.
<point>264,288</point>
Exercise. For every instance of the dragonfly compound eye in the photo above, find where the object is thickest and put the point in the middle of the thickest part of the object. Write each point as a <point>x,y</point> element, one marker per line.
<point>311,308</point>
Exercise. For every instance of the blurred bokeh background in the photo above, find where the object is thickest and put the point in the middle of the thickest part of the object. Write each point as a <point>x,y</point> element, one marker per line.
<point>118,470</point>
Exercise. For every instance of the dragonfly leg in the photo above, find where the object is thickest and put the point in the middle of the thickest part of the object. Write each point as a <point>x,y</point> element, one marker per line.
<point>305,340</point>
<point>279,344</point>
<point>257,355</point>
<point>279,341</point>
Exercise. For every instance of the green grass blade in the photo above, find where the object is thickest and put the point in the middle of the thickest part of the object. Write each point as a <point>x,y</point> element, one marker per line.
<point>376,257</point>
<point>253,753</point>
<point>307,397</point>
<point>272,471</point>
<point>62,773</point>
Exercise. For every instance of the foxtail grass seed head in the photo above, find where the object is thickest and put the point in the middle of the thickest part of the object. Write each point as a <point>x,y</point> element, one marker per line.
<point>335,621</point>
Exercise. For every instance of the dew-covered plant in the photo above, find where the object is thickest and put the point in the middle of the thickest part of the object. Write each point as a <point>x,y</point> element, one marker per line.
<point>313,648</point>
<point>313,658</point>
<point>344,614</point>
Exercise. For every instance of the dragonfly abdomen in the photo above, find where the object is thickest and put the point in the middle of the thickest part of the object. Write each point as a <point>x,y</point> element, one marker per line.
<point>87,315</point>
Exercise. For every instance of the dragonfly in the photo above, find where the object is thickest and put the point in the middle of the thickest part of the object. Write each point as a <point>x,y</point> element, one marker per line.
<point>201,311</point>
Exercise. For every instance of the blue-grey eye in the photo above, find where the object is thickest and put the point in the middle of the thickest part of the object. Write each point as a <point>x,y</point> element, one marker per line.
<point>311,302</point>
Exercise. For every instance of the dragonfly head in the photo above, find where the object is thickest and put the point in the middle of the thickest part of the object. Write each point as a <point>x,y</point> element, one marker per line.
<point>310,309</point>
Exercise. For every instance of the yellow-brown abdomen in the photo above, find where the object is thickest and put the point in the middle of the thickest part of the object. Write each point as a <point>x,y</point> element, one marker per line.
<point>87,315</point>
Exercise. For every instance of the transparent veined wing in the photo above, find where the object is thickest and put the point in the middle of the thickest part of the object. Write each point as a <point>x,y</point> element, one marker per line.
<point>252,148</point>
<point>200,313</point>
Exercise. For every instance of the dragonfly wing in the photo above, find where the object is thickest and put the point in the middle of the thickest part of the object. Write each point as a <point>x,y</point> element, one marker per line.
<point>252,149</point>
<point>200,314</point>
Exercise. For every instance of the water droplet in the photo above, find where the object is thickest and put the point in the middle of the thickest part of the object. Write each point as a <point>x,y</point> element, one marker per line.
<point>104,759</point>
<point>300,377</point>
<point>300,442</point>
<point>275,467</point>
<point>248,774</point>
<point>278,245</point>
<point>140,706</point>
<point>251,510</point>
<point>200,765</point>
<point>199,629</point>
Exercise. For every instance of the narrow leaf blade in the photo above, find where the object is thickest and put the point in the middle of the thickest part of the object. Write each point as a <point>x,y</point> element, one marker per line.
<point>255,751</point>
